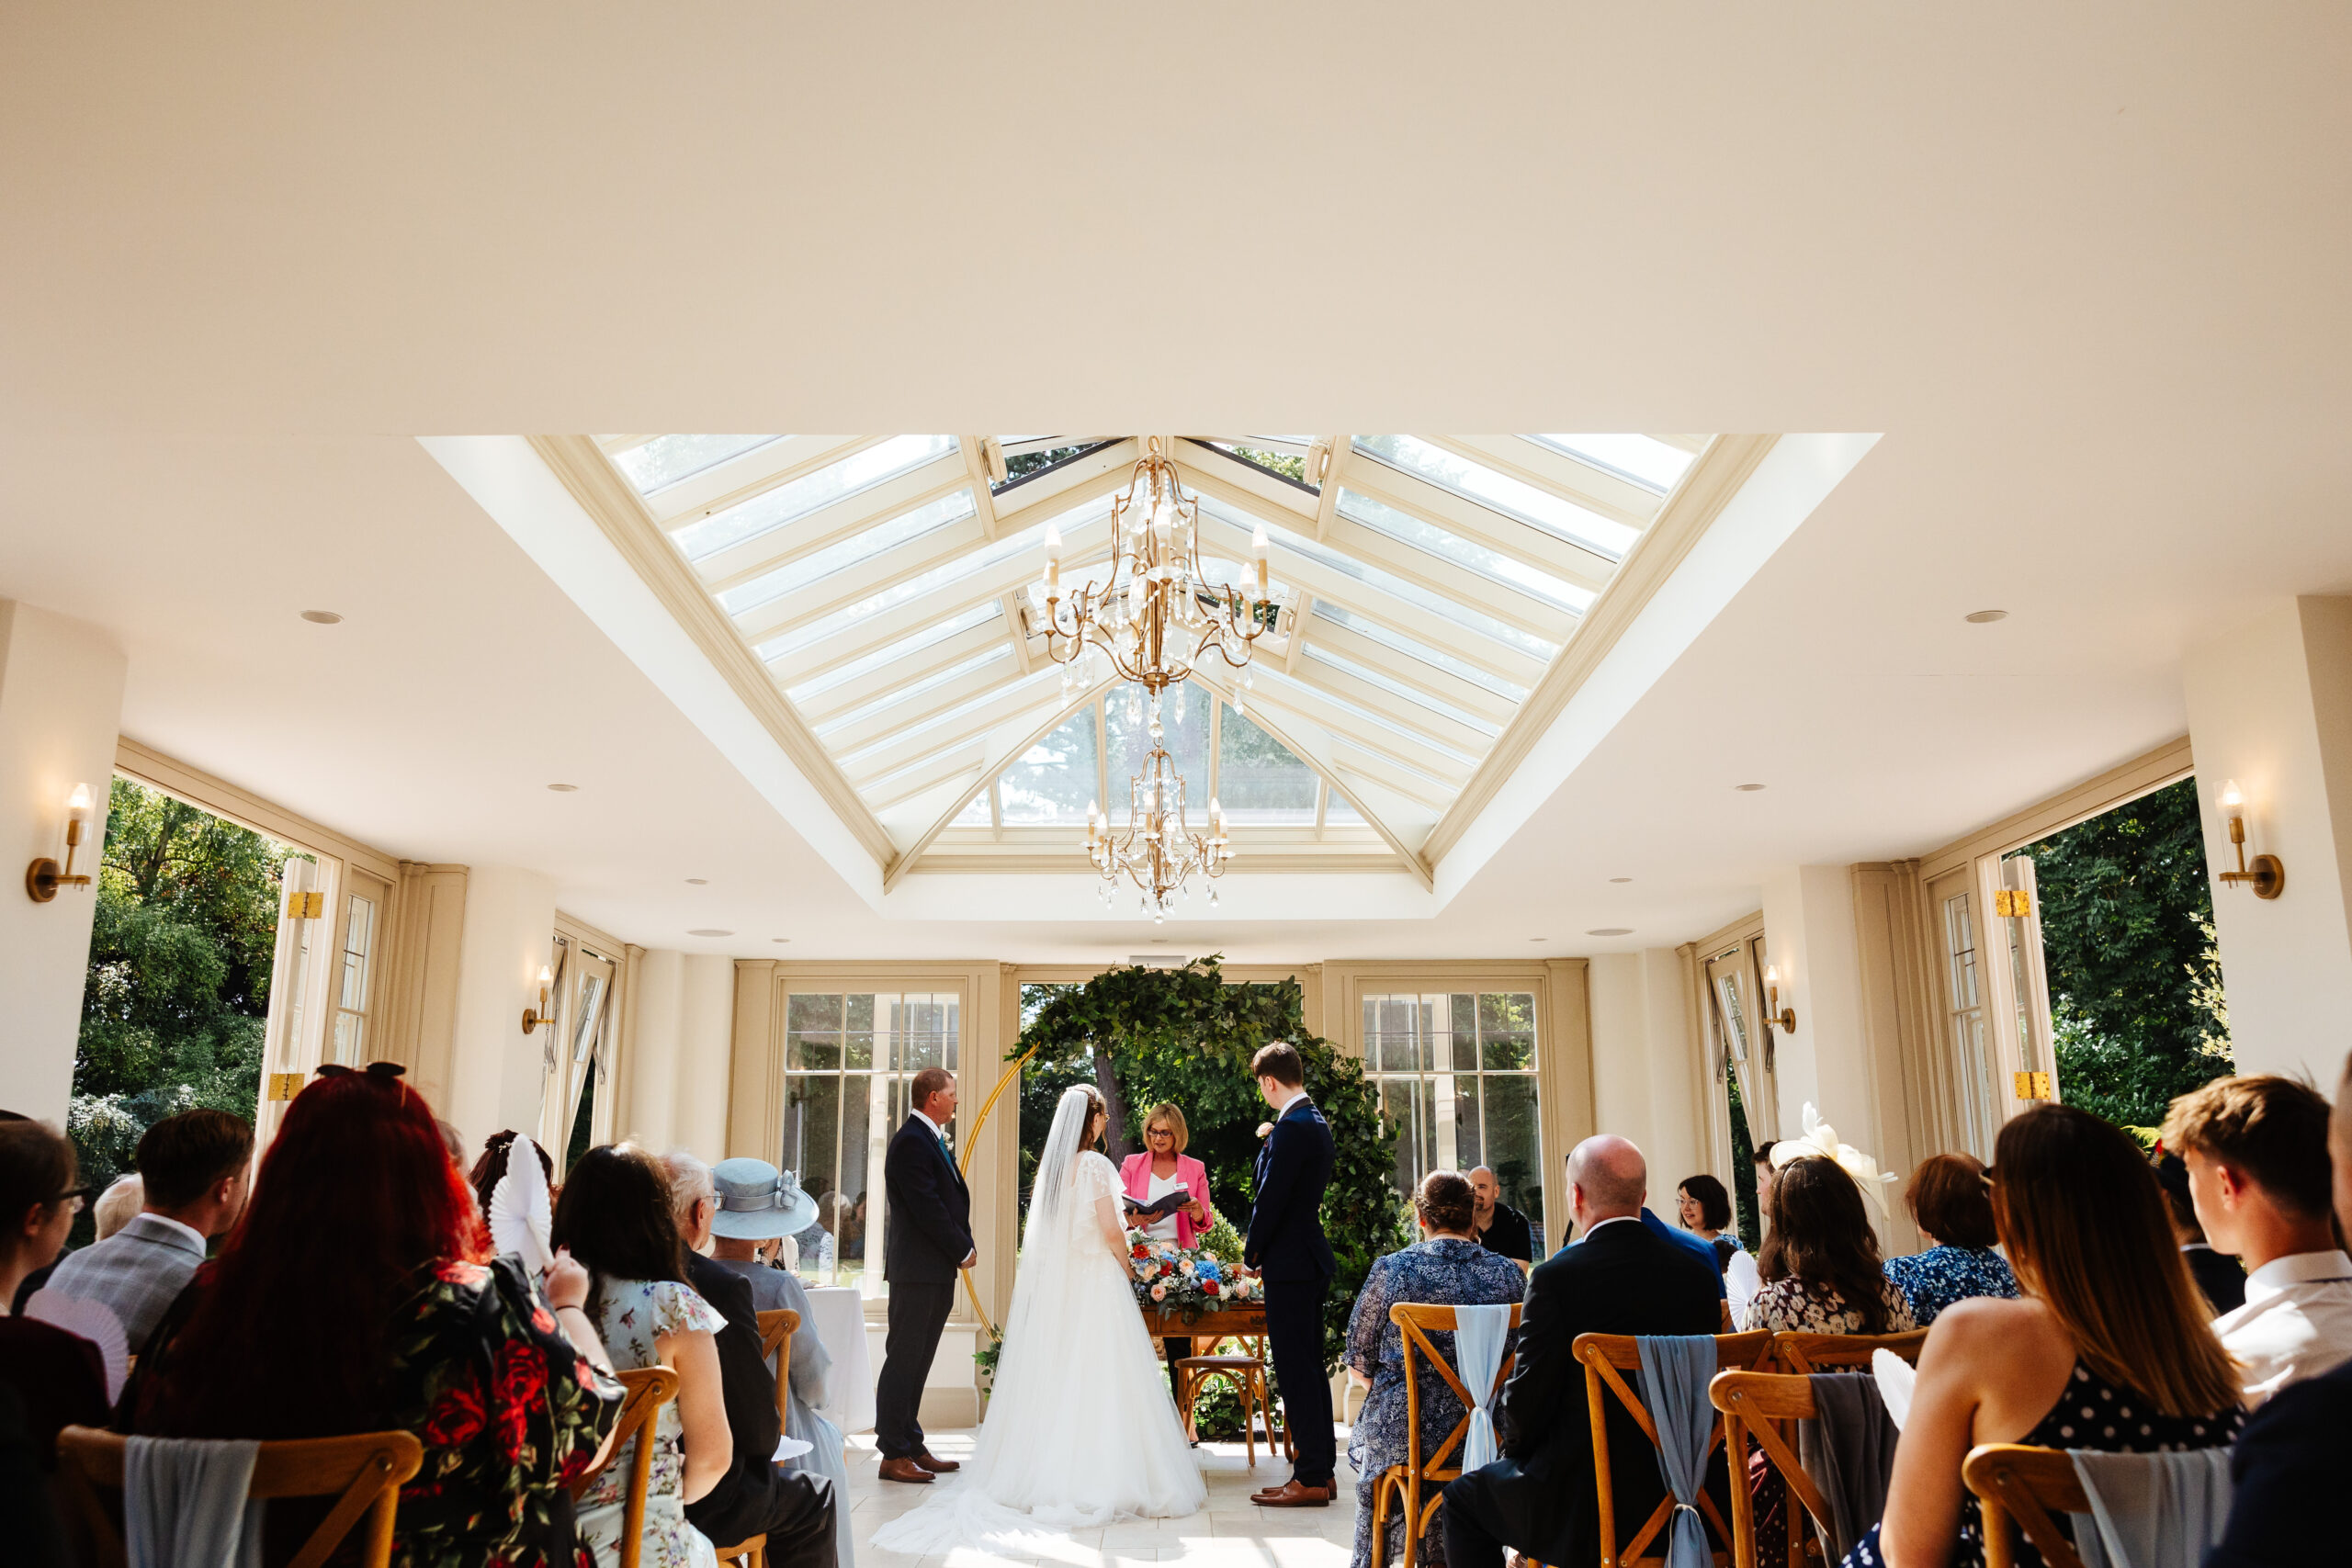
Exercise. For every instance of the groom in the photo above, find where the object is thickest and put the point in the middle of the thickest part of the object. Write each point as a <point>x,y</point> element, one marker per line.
<point>1287,1249</point>
<point>927,1237</point>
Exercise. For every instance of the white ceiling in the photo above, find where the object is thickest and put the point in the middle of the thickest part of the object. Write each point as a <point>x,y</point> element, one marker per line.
<point>2083,269</point>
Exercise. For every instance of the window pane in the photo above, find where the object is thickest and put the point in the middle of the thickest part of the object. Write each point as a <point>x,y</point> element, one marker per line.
<point>1337,809</point>
<point>1556,515</point>
<point>810,492</point>
<point>964,621</point>
<point>1507,1030</point>
<point>1514,1149</point>
<point>1462,1032</point>
<point>1339,615</point>
<point>842,554</point>
<point>1184,719</point>
<point>1054,779</point>
<point>1495,566</point>
<point>814,1050</point>
<point>1259,779</point>
<point>1028,542</point>
<point>975,812</point>
<point>1653,465</point>
<point>666,459</point>
<point>838,1211</point>
<point>812,1010</point>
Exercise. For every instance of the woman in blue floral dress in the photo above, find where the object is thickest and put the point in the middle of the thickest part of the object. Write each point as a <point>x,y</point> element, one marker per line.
<point>1449,1268</point>
<point>1953,1210</point>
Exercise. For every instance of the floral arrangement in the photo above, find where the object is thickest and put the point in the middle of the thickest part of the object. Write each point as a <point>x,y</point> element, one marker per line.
<point>1185,1282</point>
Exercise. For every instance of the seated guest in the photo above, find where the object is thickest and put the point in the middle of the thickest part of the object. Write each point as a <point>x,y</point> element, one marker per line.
<point>1951,1205</point>
<point>2297,1449</point>
<point>1704,1209</point>
<point>491,1168</point>
<point>1160,1170</point>
<point>1820,1263</point>
<point>1539,1498</point>
<point>124,1197</point>
<point>2256,1152</point>
<point>1762,1156</point>
<point>616,1217</point>
<point>359,1295</point>
<point>59,1378</point>
<point>795,1509</point>
<point>2219,1279</point>
<point>2107,1349</point>
<point>193,1167</point>
<point>1500,1228</point>
<point>1448,1267</point>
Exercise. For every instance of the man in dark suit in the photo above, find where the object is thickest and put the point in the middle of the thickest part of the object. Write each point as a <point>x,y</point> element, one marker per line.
<point>794,1508</point>
<point>1287,1249</point>
<point>928,1236</point>
<point>1540,1497</point>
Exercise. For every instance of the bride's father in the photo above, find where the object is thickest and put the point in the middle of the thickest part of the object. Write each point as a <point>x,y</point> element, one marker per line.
<point>927,1237</point>
<point>1287,1249</point>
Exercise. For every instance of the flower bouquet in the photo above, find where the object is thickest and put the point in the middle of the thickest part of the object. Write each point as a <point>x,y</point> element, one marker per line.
<point>1185,1282</point>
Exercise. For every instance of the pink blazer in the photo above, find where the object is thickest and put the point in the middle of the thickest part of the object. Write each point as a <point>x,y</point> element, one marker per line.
<point>1136,1172</point>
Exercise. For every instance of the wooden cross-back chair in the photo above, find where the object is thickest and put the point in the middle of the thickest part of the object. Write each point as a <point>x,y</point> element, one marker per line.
<point>1246,1374</point>
<point>1607,1358</point>
<point>1803,1353</point>
<point>2013,1480</point>
<point>1406,1482</point>
<point>776,1329</point>
<point>1763,1405</point>
<point>362,1472</point>
<point>650,1387</point>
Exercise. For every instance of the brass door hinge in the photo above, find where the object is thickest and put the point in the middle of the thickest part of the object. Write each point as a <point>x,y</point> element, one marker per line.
<point>286,1086</point>
<point>2034,1086</point>
<point>305,906</point>
<point>2015,902</point>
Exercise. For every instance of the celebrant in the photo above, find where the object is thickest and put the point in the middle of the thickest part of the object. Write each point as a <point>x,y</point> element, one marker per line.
<point>1168,1196</point>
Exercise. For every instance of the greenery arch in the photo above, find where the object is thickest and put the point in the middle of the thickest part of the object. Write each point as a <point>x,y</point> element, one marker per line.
<point>1185,1035</point>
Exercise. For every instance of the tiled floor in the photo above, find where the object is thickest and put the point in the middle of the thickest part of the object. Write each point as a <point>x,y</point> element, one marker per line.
<point>1229,1532</point>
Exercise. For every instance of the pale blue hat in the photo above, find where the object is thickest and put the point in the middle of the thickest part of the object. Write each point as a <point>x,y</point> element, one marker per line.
<point>756,1201</point>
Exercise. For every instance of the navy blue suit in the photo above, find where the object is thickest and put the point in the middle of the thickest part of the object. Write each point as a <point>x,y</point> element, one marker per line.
<point>1287,1247</point>
<point>2291,1458</point>
<point>927,1234</point>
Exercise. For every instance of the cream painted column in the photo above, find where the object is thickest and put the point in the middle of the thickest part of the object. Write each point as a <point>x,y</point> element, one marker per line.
<point>61,711</point>
<point>496,1076</point>
<point>2270,705</point>
<point>653,1052</point>
<point>705,1048</point>
<point>1646,1079</point>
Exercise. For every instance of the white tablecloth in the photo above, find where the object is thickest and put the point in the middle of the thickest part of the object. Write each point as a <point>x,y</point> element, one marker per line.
<point>839,1313</point>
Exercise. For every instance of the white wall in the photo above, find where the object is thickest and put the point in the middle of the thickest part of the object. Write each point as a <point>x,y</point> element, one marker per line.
<point>2270,705</point>
<point>495,1074</point>
<point>60,708</point>
<point>1647,1082</point>
<point>681,1052</point>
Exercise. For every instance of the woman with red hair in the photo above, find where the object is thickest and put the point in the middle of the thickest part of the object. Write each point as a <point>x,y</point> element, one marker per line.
<point>359,1294</point>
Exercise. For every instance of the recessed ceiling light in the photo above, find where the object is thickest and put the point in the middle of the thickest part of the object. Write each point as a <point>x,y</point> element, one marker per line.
<point>1621,879</point>
<point>1750,788</point>
<point>1539,939</point>
<point>698,881</point>
<point>707,931</point>
<point>1985,618</point>
<point>320,617</point>
<point>564,789</point>
<point>1612,931</point>
<point>779,938</point>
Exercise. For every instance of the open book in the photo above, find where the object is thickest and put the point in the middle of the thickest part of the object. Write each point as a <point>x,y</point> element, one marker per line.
<point>1160,1208</point>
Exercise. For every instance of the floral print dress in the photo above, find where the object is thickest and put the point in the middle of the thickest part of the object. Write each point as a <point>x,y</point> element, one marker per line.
<point>1933,1280</point>
<point>1444,1271</point>
<point>631,1315</point>
<point>1791,1306</point>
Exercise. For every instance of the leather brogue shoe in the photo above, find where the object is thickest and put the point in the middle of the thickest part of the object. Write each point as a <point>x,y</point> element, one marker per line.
<point>936,1465</point>
<point>1297,1494</point>
<point>905,1470</point>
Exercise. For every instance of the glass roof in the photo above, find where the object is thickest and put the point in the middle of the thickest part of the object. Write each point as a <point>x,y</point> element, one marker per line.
<point>889,585</point>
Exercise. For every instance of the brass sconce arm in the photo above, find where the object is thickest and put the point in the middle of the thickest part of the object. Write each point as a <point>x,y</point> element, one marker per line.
<point>1775,1015</point>
<point>45,877</point>
<point>534,1016</point>
<point>2267,875</point>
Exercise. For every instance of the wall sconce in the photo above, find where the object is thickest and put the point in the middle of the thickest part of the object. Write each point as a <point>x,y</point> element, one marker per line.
<point>2267,874</point>
<point>534,1016</point>
<point>43,877</point>
<point>1775,1015</point>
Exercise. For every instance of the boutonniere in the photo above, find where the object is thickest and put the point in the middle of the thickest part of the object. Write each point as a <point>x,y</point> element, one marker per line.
<point>1264,1130</point>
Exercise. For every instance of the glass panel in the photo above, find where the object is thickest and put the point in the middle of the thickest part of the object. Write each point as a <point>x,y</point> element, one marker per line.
<point>1405,528</point>
<point>1030,541</point>
<point>810,492</point>
<point>1365,627</point>
<point>978,616</point>
<point>583,1028</point>
<point>975,812</point>
<point>1337,809</point>
<point>928,683</point>
<point>1456,1070</point>
<point>1257,778</point>
<point>1053,780</point>
<point>1398,689</point>
<point>1506,1030</point>
<point>1033,684</point>
<point>812,1120</point>
<point>842,554</point>
<point>1514,1142</point>
<point>1462,1032</point>
<point>358,929</point>
<point>1184,719</point>
<point>841,1211</point>
<point>1653,465</point>
<point>1458,1107</point>
<point>666,459</point>
<point>1556,515</point>
<point>804,1010</point>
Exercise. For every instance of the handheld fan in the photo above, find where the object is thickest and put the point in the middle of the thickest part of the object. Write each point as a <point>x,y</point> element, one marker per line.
<point>520,1216</point>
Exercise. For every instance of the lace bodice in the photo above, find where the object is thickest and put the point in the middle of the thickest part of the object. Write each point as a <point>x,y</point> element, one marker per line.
<point>1092,1178</point>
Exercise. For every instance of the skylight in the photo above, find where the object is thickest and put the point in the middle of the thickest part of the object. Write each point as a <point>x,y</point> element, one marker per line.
<point>798,498</point>
<point>822,563</point>
<point>1486,563</point>
<point>1648,462</point>
<point>664,461</point>
<point>1544,509</point>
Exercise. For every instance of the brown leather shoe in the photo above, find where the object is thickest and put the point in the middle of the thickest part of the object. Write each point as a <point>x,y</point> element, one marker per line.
<point>905,1470</point>
<point>1296,1495</point>
<point>935,1465</point>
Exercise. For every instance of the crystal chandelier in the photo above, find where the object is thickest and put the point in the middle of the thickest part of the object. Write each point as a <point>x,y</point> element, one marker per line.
<point>1157,852</point>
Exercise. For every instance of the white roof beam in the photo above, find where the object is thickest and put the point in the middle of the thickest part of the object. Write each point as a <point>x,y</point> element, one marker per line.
<point>1422,676</point>
<point>1497,531</point>
<point>929,660</point>
<point>925,552</point>
<point>976,464</point>
<point>966,762</point>
<point>1402,712</point>
<point>1564,476</point>
<point>1297,697</point>
<point>911,712</point>
<point>843,519</point>
<point>1442,577</point>
<point>940,735</point>
<point>780,462</point>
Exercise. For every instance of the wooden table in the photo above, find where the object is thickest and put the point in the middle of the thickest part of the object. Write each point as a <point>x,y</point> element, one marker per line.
<point>1244,1320</point>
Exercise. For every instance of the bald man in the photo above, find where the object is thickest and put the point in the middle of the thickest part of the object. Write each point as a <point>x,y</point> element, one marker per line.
<point>1500,1227</point>
<point>1539,1498</point>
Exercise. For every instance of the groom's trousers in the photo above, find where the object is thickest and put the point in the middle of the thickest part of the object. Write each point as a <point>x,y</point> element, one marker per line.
<point>1294,1333</point>
<point>918,1313</point>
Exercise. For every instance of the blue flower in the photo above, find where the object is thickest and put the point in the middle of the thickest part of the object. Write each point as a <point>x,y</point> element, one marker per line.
<point>1207,1268</point>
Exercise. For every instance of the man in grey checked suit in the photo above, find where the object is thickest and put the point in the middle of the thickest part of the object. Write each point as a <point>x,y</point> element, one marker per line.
<point>194,1168</point>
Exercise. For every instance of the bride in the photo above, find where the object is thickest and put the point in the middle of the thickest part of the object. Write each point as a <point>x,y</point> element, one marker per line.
<point>1079,1428</point>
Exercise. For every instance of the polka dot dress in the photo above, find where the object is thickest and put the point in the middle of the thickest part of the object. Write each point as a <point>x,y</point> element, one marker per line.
<point>2092,1414</point>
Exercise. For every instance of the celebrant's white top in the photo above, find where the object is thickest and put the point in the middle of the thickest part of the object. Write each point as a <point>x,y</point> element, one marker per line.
<point>1164,1228</point>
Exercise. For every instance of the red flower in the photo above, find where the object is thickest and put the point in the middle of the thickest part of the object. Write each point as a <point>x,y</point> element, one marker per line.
<point>541,1320</point>
<point>522,1383</point>
<point>456,1416</point>
<point>1165,1269</point>
<point>1139,1250</point>
<point>1208,1287</point>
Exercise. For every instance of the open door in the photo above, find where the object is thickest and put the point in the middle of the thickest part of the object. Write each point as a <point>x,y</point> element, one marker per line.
<point>576,1060</point>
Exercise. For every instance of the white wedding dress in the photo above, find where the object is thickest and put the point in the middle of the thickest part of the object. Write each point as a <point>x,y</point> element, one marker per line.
<point>1080,1428</point>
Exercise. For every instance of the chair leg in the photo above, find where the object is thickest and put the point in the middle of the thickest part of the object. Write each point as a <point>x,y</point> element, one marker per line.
<point>1248,1417</point>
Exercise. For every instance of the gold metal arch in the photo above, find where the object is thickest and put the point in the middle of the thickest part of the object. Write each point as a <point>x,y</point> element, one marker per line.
<point>971,1147</point>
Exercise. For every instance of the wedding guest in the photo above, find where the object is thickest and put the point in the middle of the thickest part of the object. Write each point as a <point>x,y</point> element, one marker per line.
<point>1950,1204</point>
<point>491,1168</point>
<point>1704,1209</point>
<point>1539,1498</point>
<point>1820,1262</point>
<point>796,1510</point>
<point>1501,1229</point>
<point>59,1377</point>
<point>193,1167</point>
<point>2219,1279</point>
<point>2256,1153</point>
<point>1762,1156</point>
<point>359,1295</point>
<point>1161,1170</point>
<point>1448,1267</point>
<point>2107,1349</point>
<point>926,1242</point>
<point>124,1197</point>
<point>615,1216</point>
<point>2298,1447</point>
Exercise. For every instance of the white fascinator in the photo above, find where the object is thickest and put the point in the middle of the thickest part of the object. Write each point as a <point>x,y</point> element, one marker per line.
<point>1820,1142</point>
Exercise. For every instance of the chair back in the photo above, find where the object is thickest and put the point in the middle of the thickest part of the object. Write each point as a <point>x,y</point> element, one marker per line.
<point>776,1329</point>
<point>1802,1353</point>
<point>1416,1324</point>
<point>362,1472</point>
<point>1607,1357</point>
<point>650,1387</point>
<point>2013,1480</point>
<point>1753,1404</point>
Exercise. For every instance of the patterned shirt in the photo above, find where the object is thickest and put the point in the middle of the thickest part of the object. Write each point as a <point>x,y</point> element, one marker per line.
<point>1792,1306</point>
<point>1933,1280</point>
